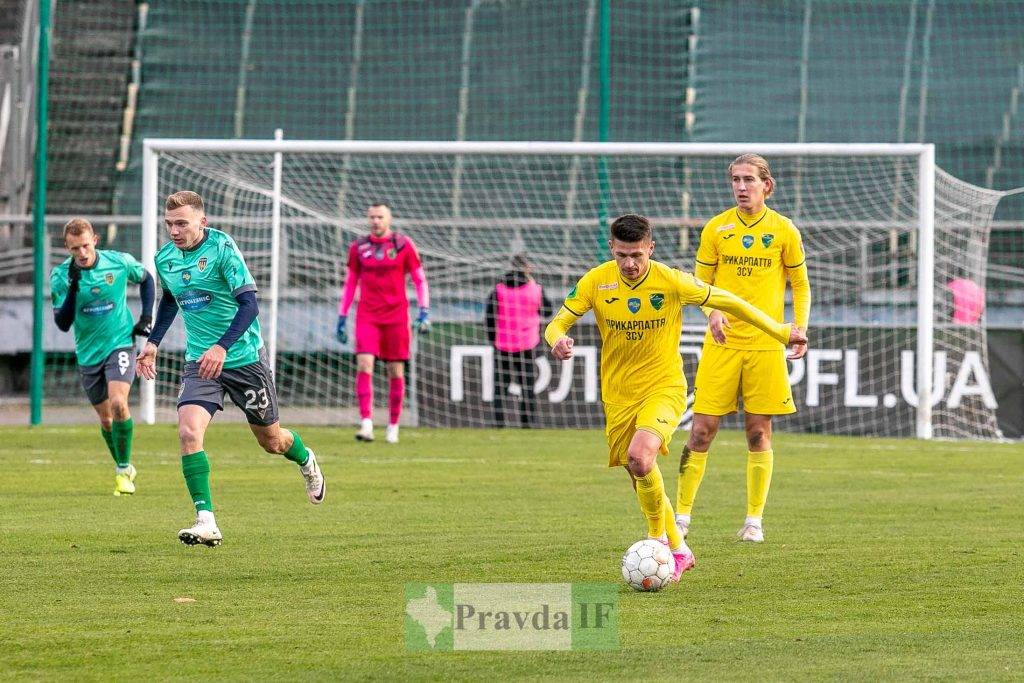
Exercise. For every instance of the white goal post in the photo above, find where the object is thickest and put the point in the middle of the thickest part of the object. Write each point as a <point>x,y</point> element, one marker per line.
<point>320,179</point>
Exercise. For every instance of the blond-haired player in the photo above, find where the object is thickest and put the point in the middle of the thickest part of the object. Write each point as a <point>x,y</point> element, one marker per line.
<point>638,306</point>
<point>750,250</point>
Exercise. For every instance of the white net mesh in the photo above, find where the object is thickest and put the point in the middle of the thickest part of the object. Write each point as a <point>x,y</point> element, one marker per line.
<point>469,214</point>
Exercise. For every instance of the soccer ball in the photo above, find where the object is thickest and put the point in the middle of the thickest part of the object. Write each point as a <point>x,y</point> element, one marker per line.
<point>647,565</point>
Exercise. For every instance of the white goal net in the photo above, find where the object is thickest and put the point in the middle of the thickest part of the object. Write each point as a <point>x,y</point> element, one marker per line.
<point>890,240</point>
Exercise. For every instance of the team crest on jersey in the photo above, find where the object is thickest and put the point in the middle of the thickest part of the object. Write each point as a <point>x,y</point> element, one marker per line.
<point>633,305</point>
<point>748,241</point>
<point>392,253</point>
<point>202,264</point>
<point>186,277</point>
<point>657,300</point>
<point>109,278</point>
<point>379,254</point>
<point>766,239</point>
<point>572,292</point>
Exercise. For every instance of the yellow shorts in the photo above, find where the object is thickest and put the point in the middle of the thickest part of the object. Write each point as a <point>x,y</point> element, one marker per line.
<point>659,413</point>
<point>761,377</point>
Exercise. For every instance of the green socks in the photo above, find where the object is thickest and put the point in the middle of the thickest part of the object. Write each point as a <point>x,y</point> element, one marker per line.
<point>297,453</point>
<point>108,437</point>
<point>119,441</point>
<point>196,469</point>
<point>121,435</point>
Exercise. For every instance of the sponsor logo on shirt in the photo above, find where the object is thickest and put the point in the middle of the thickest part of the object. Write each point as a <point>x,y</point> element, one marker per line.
<point>766,239</point>
<point>610,285</point>
<point>95,291</point>
<point>657,299</point>
<point>94,309</point>
<point>730,235</point>
<point>109,277</point>
<point>727,226</point>
<point>612,300</point>
<point>186,277</point>
<point>202,264</point>
<point>633,304</point>
<point>572,292</point>
<point>194,300</point>
<point>748,241</point>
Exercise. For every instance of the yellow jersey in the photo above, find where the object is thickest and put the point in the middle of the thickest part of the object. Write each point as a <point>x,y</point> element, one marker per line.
<point>751,257</point>
<point>640,323</point>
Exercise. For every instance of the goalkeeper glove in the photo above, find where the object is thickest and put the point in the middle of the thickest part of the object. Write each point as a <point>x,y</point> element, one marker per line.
<point>143,327</point>
<point>422,323</point>
<point>340,332</point>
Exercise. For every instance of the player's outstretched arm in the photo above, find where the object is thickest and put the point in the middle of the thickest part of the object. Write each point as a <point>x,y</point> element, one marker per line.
<point>724,300</point>
<point>556,334</point>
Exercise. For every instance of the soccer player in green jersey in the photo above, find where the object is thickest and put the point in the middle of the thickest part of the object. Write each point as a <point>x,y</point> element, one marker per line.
<point>89,292</point>
<point>203,273</point>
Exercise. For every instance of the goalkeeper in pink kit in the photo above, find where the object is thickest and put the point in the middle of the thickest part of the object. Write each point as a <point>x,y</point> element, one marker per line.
<point>377,266</point>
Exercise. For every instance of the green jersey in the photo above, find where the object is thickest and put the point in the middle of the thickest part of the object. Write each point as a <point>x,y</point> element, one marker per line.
<point>103,322</point>
<point>205,281</point>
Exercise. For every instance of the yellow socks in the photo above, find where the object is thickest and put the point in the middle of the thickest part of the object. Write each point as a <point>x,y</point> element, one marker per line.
<point>759,479</point>
<point>675,539</point>
<point>650,491</point>
<point>691,470</point>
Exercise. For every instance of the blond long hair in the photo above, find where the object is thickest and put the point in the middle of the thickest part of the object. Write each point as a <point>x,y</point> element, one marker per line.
<point>763,172</point>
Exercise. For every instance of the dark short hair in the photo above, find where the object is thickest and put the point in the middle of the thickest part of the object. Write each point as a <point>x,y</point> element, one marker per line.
<point>384,204</point>
<point>631,227</point>
<point>520,262</point>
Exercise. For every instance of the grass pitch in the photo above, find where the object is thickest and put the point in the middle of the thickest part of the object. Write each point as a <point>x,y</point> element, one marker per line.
<point>884,559</point>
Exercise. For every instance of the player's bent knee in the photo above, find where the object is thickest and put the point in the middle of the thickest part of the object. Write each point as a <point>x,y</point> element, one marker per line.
<point>639,464</point>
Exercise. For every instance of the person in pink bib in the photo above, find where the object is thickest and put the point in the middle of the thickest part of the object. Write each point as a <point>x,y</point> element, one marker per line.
<point>515,308</point>
<point>377,266</point>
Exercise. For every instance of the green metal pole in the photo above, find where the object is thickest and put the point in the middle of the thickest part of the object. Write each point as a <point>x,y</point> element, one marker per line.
<point>604,97</point>
<point>39,216</point>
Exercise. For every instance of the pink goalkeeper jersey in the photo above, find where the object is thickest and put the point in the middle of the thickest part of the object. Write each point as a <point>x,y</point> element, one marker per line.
<point>379,265</point>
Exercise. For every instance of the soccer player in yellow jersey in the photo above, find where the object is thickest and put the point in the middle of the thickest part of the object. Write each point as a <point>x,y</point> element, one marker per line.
<point>750,250</point>
<point>638,306</point>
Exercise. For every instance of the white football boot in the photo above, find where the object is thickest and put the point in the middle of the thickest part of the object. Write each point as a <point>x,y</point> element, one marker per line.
<point>315,485</point>
<point>391,434</point>
<point>751,533</point>
<point>203,532</point>
<point>365,432</point>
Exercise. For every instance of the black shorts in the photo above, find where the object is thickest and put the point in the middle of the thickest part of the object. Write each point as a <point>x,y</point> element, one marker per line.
<point>118,367</point>
<point>251,388</point>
